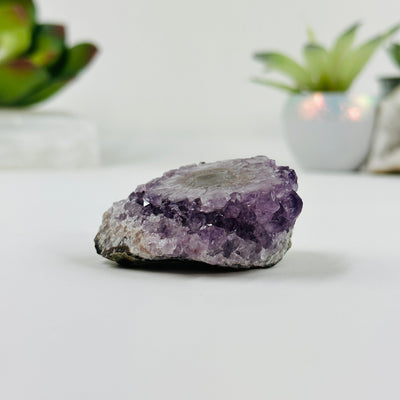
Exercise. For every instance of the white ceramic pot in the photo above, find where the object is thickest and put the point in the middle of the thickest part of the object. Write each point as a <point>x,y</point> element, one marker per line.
<point>35,139</point>
<point>329,131</point>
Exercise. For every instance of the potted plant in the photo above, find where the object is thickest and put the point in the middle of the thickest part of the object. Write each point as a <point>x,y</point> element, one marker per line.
<point>326,127</point>
<point>388,84</point>
<point>35,64</point>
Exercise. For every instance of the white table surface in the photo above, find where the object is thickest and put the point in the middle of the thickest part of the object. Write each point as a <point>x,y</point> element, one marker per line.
<point>322,324</point>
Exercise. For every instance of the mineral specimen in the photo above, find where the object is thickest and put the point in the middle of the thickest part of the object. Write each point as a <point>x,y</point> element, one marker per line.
<point>235,213</point>
<point>384,154</point>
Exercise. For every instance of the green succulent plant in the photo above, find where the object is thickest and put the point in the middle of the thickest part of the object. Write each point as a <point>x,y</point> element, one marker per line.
<point>35,61</point>
<point>394,52</point>
<point>324,70</point>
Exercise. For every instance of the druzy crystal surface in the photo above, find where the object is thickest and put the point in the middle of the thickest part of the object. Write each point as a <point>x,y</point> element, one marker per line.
<point>235,213</point>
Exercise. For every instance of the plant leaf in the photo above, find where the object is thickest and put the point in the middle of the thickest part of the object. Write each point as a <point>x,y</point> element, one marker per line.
<point>312,38</point>
<point>18,78</point>
<point>48,45</point>
<point>15,31</point>
<point>357,59</point>
<point>42,94</point>
<point>285,65</point>
<point>27,5</point>
<point>76,59</point>
<point>344,42</point>
<point>275,84</point>
<point>317,59</point>
<point>339,51</point>
<point>394,52</point>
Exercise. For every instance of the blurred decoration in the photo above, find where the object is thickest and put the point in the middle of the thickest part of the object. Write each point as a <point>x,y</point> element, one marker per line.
<point>325,127</point>
<point>388,84</point>
<point>46,139</point>
<point>385,149</point>
<point>324,70</point>
<point>35,61</point>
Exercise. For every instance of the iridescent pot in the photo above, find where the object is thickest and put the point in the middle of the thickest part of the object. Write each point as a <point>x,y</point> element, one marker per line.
<point>329,131</point>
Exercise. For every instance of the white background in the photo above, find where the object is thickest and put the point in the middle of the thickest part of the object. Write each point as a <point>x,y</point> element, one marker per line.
<point>321,325</point>
<point>183,67</point>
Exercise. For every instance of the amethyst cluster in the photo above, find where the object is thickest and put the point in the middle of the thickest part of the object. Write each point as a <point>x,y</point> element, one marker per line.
<point>235,213</point>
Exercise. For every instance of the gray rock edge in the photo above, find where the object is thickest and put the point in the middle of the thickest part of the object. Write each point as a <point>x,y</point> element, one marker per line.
<point>123,256</point>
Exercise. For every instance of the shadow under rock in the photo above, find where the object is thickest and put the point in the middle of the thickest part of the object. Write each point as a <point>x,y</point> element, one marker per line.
<point>297,264</point>
<point>182,267</point>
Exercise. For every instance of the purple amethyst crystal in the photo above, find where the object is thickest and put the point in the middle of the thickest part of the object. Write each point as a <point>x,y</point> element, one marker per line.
<point>235,213</point>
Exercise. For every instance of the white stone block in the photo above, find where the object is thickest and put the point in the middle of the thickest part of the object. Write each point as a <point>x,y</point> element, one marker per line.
<point>31,139</point>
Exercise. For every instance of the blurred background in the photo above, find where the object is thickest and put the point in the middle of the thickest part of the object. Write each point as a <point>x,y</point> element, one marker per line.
<point>178,72</point>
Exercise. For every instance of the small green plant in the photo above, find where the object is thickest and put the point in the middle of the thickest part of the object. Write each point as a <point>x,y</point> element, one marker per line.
<point>394,53</point>
<point>324,70</point>
<point>35,61</point>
